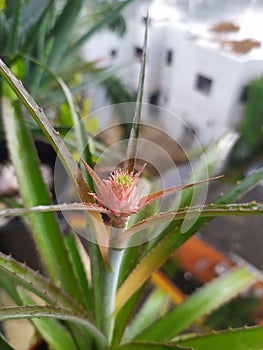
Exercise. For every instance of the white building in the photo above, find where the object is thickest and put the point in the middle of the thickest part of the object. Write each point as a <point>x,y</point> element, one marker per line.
<point>192,72</point>
<point>208,92</point>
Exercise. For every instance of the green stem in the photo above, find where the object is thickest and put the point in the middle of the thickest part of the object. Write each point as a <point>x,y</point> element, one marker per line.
<point>110,284</point>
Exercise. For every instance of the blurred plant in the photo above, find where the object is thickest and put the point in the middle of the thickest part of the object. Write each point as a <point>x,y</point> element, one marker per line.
<point>236,313</point>
<point>96,311</point>
<point>118,24</point>
<point>251,129</point>
<point>252,125</point>
<point>40,39</point>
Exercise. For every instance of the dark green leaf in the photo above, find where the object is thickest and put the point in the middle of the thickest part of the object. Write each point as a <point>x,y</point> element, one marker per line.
<point>78,265</point>
<point>42,120</point>
<point>155,305</point>
<point>135,128</point>
<point>240,339</point>
<point>62,31</point>
<point>31,13</point>
<point>109,18</point>
<point>150,345</point>
<point>21,312</point>
<point>199,304</point>
<point>15,27</point>
<point>210,210</point>
<point>123,317</point>
<point>24,276</point>
<point>57,336</point>
<point>33,191</point>
<point>3,344</point>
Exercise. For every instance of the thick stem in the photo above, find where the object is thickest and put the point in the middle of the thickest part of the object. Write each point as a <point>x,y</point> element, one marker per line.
<point>110,285</point>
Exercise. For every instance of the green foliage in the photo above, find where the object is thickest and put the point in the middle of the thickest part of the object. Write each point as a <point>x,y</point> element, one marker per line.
<point>51,330</point>
<point>155,306</point>
<point>251,140</point>
<point>117,92</point>
<point>117,24</point>
<point>252,125</point>
<point>200,303</point>
<point>236,313</point>
<point>37,34</point>
<point>241,339</point>
<point>3,343</point>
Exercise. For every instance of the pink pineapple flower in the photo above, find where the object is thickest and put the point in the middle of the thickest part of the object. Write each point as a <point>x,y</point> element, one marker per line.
<point>121,195</point>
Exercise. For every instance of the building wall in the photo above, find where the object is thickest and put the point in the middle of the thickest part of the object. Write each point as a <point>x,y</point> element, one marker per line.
<point>207,111</point>
<point>195,80</point>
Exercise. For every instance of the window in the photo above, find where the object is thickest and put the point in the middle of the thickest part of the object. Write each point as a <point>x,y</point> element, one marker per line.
<point>244,94</point>
<point>138,52</point>
<point>154,98</point>
<point>113,53</point>
<point>169,57</point>
<point>203,84</point>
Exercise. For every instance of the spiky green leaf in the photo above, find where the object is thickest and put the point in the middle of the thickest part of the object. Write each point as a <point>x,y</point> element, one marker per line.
<point>33,191</point>
<point>53,332</point>
<point>200,303</point>
<point>242,339</point>
<point>35,282</point>
<point>135,127</point>
<point>23,312</point>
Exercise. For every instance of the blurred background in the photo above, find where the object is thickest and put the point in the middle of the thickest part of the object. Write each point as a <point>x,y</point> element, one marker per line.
<point>202,59</point>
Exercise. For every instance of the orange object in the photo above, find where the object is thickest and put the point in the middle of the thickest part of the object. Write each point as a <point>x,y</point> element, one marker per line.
<point>201,260</point>
<point>162,282</point>
<point>204,263</point>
